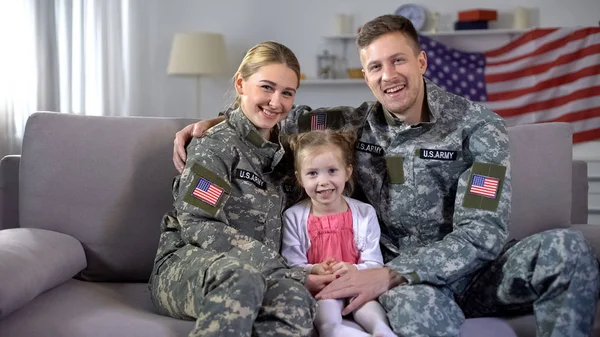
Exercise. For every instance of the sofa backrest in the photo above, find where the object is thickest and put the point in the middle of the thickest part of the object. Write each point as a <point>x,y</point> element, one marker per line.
<point>103,180</point>
<point>580,188</point>
<point>106,181</point>
<point>541,161</point>
<point>9,192</point>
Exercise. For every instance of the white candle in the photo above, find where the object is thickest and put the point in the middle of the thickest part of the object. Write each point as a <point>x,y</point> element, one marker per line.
<point>343,24</point>
<point>521,18</point>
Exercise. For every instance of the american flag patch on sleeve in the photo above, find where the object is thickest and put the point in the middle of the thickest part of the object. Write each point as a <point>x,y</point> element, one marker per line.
<point>207,191</point>
<point>484,186</point>
<point>318,121</point>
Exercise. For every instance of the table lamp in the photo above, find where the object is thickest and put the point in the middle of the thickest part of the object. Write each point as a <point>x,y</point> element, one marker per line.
<point>197,54</point>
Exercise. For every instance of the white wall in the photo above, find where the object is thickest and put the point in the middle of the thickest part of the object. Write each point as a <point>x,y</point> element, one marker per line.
<point>300,25</point>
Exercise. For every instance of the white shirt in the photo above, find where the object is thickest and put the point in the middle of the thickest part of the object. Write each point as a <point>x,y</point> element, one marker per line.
<point>364,225</point>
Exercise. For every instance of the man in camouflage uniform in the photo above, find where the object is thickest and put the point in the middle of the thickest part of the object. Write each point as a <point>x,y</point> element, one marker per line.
<point>214,264</point>
<point>437,171</point>
<point>438,174</point>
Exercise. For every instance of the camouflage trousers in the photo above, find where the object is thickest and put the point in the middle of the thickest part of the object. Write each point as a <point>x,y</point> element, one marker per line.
<point>228,297</point>
<point>553,274</point>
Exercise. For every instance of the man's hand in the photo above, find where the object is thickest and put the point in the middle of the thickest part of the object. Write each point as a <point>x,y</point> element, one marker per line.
<point>183,137</point>
<point>361,286</point>
<point>315,283</point>
<point>342,268</point>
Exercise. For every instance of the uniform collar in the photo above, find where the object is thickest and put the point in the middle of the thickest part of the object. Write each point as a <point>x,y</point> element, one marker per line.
<point>391,119</point>
<point>436,98</point>
<point>433,94</point>
<point>247,131</point>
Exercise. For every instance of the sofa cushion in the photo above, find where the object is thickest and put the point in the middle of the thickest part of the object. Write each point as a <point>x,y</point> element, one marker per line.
<point>86,309</point>
<point>592,236</point>
<point>33,261</point>
<point>103,180</point>
<point>541,164</point>
<point>524,325</point>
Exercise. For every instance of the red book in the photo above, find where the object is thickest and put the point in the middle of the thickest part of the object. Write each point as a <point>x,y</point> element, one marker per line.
<point>477,15</point>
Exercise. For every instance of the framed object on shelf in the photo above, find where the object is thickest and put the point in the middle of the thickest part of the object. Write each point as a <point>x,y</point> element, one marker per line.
<point>417,14</point>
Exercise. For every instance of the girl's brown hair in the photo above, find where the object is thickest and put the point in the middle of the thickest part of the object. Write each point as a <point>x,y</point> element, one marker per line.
<point>304,144</point>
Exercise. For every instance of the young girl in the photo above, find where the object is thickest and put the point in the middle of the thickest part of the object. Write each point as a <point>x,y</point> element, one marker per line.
<point>329,233</point>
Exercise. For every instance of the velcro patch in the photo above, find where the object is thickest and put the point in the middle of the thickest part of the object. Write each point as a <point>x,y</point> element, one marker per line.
<point>485,186</point>
<point>395,169</point>
<point>370,148</point>
<point>318,121</point>
<point>330,118</point>
<point>251,177</point>
<point>208,191</point>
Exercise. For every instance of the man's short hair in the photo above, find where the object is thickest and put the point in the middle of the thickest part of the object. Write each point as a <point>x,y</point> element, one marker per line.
<point>385,24</point>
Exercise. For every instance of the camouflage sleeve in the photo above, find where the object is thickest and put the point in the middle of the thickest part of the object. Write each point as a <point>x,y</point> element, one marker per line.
<point>480,221</point>
<point>302,118</point>
<point>206,226</point>
<point>289,126</point>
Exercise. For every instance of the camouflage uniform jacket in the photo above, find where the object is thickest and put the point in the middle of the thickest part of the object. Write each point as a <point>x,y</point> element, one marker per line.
<point>435,228</point>
<point>229,199</point>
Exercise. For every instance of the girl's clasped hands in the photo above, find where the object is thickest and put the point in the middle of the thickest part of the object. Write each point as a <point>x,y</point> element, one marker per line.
<point>331,266</point>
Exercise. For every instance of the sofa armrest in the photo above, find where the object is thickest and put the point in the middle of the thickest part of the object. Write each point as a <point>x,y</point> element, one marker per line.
<point>9,191</point>
<point>33,261</point>
<point>579,201</point>
<point>592,236</point>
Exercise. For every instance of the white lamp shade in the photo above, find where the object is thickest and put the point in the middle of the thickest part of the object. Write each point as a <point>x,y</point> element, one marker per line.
<point>197,54</point>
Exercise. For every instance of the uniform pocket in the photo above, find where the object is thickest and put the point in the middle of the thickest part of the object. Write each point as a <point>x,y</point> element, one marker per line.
<point>437,167</point>
<point>436,176</point>
<point>253,203</point>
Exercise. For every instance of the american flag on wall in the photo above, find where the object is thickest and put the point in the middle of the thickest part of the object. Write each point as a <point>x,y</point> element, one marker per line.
<point>545,75</point>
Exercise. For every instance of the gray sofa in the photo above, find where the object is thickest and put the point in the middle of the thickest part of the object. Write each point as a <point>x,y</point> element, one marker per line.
<point>81,210</point>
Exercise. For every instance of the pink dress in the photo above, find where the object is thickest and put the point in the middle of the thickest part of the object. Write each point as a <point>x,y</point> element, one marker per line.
<point>331,236</point>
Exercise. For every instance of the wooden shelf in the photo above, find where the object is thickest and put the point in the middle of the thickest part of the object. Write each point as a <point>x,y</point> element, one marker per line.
<point>483,32</point>
<point>318,81</point>
<point>351,37</point>
<point>472,32</point>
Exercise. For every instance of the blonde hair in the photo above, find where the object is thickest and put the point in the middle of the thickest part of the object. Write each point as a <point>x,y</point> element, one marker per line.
<point>304,144</point>
<point>263,54</point>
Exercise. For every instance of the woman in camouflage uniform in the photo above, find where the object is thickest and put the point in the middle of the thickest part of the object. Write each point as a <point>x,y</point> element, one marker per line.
<point>218,258</point>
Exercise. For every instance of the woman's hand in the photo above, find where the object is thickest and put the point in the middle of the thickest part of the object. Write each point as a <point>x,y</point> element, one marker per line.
<point>341,268</point>
<point>183,137</point>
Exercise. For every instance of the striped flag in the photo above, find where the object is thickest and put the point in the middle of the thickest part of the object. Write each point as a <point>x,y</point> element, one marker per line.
<point>545,75</point>
<point>484,186</point>
<point>207,191</point>
<point>318,121</point>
